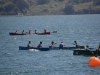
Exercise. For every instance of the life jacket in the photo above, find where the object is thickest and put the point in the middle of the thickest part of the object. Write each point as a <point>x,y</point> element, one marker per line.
<point>61,46</point>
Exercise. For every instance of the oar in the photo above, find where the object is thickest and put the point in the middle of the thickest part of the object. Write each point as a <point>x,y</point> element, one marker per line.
<point>91,52</point>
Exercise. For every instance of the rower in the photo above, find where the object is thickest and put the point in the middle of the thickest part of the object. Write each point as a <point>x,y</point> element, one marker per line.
<point>61,45</point>
<point>29,31</point>
<point>36,32</point>
<point>45,31</point>
<point>52,44</point>
<point>23,32</point>
<point>39,45</point>
<point>16,31</point>
<point>98,48</point>
<point>29,44</point>
<point>87,47</point>
<point>76,44</point>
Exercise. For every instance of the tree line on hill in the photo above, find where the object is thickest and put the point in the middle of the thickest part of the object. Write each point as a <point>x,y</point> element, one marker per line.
<point>69,8</point>
<point>13,7</point>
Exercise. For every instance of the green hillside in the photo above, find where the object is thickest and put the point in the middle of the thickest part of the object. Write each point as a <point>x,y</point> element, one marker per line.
<point>49,7</point>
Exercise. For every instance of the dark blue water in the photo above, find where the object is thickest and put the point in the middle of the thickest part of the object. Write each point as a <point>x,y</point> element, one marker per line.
<point>85,29</point>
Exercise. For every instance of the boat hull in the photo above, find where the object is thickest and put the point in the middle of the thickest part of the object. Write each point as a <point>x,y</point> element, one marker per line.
<point>13,34</point>
<point>67,48</point>
<point>85,52</point>
<point>26,48</point>
<point>48,33</point>
<point>16,34</point>
<point>47,48</point>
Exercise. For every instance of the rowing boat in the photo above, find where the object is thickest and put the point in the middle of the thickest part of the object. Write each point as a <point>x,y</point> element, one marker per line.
<point>47,48</point>
<point>11,33</point>
<point>27,48</point>
<point>86,52</point>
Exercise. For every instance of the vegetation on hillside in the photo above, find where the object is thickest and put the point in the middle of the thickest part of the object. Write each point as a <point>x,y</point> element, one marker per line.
<point>48,7</point>
<point>12,7</point>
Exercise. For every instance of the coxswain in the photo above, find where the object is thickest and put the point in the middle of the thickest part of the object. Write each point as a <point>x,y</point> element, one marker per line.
<point>55,31</point>
<point>45,31</point>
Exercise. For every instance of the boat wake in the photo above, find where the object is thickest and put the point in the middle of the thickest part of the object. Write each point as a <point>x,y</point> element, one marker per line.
<point>33,50</point>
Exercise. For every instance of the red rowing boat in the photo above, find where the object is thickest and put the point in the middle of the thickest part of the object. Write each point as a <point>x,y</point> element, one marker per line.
<point>47,33</point>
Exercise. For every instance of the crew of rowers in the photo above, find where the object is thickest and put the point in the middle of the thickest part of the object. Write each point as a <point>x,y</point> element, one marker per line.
<point>36,32</point>
<point>23,32</point>
<point>30,46</point>
<point>61,45</point>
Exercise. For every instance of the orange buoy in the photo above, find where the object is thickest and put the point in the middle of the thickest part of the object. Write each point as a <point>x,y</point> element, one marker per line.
<point>94,62</point>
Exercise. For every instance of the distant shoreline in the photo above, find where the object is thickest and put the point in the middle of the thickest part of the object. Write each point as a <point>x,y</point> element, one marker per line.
<point>46,15</point>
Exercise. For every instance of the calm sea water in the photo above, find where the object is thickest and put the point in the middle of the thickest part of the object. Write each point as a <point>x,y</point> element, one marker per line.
<point>85,29</point>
